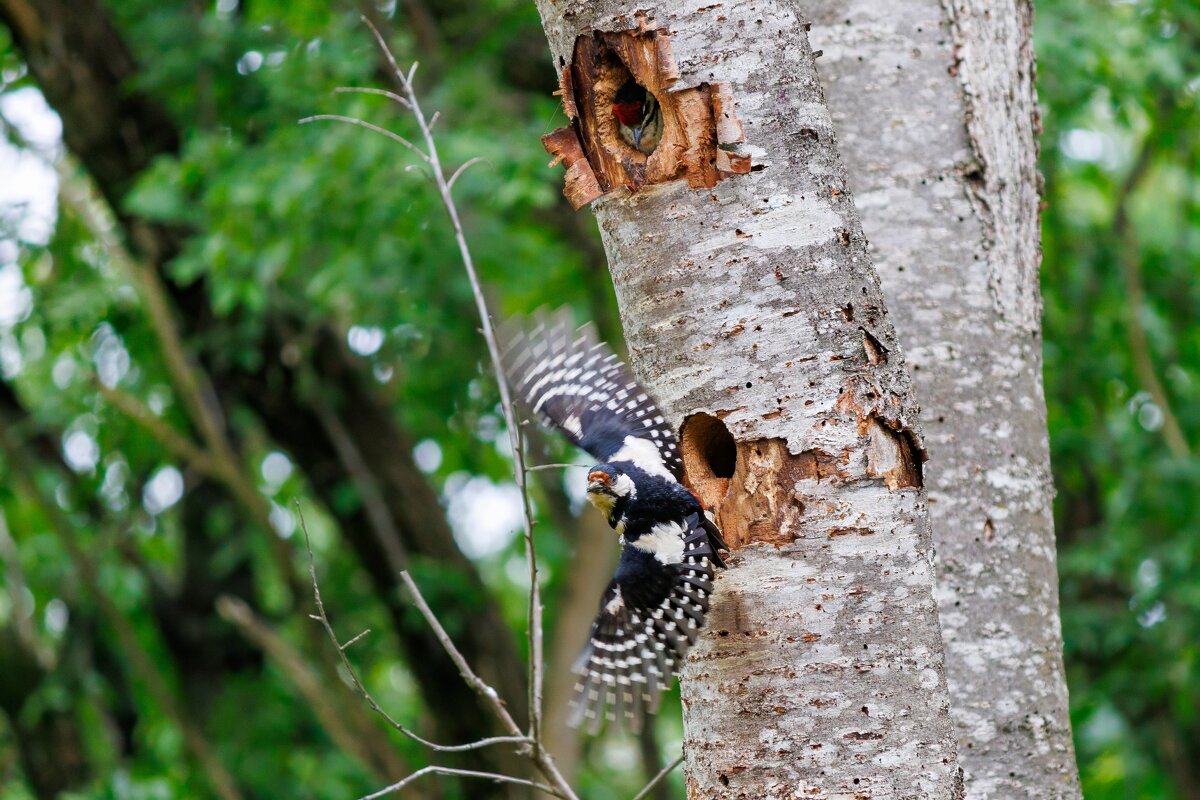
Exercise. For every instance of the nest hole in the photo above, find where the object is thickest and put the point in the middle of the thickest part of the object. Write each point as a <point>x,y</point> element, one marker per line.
<point>709,457</point>
<point>632,126</point>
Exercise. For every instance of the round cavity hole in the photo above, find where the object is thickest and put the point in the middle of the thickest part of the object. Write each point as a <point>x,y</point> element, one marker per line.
<point>709,457</point>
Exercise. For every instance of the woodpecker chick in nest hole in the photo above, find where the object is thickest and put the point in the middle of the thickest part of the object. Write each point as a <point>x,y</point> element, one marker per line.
<point>639,118</point>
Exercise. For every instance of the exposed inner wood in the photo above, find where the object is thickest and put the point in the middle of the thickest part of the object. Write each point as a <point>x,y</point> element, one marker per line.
<point>757,489</point>
<point>700,126</point>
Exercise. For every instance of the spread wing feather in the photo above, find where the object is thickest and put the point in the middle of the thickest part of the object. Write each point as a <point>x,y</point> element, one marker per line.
<point>575,383</point>
<point>650,615</point>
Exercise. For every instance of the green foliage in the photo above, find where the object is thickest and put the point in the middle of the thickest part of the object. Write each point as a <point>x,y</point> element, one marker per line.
<point>1118,85</point>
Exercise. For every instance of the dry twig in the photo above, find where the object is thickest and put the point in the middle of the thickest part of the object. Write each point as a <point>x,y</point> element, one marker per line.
<point>662,773</point>
<point>356,681</point>
<point>532,741</point>
<point>462,773</point>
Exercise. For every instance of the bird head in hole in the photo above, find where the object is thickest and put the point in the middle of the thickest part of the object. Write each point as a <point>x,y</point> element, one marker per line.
<point>638,115</point>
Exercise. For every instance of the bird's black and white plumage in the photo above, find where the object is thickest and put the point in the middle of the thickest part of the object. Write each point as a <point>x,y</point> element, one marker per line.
<point>656,603</point>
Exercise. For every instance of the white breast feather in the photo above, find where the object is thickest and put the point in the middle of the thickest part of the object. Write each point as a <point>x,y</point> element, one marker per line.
<point>616,604</point>
<point>664,542</point>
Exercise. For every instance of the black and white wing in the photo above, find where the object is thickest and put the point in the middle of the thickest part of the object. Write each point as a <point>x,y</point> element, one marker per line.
<point>575,383</point>
<point>650,615</point>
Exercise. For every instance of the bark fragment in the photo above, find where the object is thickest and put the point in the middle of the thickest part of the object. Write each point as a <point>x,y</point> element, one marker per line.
<point>700,125</point>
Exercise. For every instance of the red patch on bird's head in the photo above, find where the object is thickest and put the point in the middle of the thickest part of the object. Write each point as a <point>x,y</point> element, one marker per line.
<point>599,477</point>
<point>628,113</point>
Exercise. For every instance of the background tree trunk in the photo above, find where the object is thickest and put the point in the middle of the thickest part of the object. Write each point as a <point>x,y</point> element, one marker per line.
<point>755,302</point>
<point>937,119</point>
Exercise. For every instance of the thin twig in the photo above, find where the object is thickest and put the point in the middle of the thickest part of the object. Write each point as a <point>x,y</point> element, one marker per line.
<point>536,752</point>
<point>540,467</point>
<point>462,773</point>
<point>477,683</point>
<point>355,639</point>
<point>463,168</point>
<point>364,124</point>
<point>662,773</point>
<point>323,619</point>
<point>369,90</point>
<point>506,402</point>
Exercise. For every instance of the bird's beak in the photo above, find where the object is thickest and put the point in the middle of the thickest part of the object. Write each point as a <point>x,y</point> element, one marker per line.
<point>637,137</point>
<point>596,486</point>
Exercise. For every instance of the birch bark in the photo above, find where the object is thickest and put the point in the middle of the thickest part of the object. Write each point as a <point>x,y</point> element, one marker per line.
<point>753,307</point>
<point>936,114</point>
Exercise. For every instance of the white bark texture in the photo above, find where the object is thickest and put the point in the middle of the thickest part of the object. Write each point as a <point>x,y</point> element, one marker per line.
<point>936,114</point>
<point>820,674</point>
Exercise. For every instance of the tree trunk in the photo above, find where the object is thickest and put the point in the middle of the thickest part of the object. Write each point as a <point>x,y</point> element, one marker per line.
<point>753,312</point>
<point>942,160</point>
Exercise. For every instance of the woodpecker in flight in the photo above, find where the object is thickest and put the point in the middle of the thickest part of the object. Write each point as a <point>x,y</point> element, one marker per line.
<point>639,118</point>
<point>654,606</point>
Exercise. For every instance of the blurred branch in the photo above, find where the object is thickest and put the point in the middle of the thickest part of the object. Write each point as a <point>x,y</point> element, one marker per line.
<point>664,772</point>
<point>217,460</point>
<point>174,442</point>
<point>1135,301</point>
<point>379,758</point>
<point>368,488</point>
<point>142,663</point>
<point>14,579</point>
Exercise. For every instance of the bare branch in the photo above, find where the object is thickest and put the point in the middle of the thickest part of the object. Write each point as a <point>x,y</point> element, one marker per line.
<point>506,403</point>
<point>368,90</point>
<point>539,467</point>
<point>323,619</point>
<point>355,639</point>
<point>462,169</point>
<point>464,669</point>
<point>461,773</point>
<point>538,754</point>
<point>362,123</point>
<point>662,773</point>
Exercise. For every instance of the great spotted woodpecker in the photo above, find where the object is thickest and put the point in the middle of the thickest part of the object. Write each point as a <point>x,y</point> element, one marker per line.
<point>640,120</point>
<point>654,606</point>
